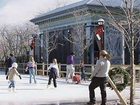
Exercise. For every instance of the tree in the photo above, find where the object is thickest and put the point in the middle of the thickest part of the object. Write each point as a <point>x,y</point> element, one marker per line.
<point>127,21</point>
<point>77,34</point>
<point>48,43</point>
<point>15,39</point>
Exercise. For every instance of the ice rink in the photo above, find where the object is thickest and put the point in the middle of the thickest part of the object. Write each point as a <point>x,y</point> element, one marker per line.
<point>64,94</point>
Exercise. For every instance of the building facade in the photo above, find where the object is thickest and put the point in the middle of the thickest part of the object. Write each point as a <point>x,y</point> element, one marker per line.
<point>73,28</point>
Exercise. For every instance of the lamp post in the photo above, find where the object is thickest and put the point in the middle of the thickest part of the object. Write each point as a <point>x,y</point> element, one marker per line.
<point>32,46</point>
<point>100,34</point>
<point>95,31</point>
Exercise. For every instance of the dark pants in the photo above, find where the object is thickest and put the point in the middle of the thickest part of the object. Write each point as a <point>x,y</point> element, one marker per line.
<point>83,77</point>
<point>6,70</point>
<point>52,75</point>
<point>101,82</point>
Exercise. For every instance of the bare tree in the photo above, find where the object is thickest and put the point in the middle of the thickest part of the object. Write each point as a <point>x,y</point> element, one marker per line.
<point>15,39</point>
<point>78,35</point>
<point>49,42</point>
<point>128,24</point>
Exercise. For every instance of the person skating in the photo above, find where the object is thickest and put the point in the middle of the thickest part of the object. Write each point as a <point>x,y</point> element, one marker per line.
<point>99,78</point>
<point>70,69</point>
<point>9,61</point>
<point>82,69</point>
<point>31,67</point>
<point>11,75</point>
<point>53,73</point>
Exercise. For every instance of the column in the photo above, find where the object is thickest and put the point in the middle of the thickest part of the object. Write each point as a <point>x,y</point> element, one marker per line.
<point>90,41</point>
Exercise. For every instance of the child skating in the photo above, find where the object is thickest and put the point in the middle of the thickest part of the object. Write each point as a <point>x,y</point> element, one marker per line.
<point>11,75</point>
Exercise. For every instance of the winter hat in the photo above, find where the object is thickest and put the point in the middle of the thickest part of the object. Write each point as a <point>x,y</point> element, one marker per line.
<point>15,65</point>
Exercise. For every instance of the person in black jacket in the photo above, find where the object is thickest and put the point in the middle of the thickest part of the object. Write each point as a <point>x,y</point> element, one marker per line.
<point>9,61</point>
<point>7,64</point>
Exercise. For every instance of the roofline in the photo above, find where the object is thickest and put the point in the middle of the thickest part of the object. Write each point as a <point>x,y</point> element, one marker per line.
<point>56,13</point>
<point>61,9</point>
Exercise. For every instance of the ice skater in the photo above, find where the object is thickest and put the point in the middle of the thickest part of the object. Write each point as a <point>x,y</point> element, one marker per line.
<point>11,75</point>
<point>70,69</point>
<point>99,78</point>
<point>82,69</point>
<point>53,73</point>
<point>31,66</point>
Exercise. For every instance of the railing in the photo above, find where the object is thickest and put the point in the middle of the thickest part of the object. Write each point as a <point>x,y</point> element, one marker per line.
<point>42,69</point>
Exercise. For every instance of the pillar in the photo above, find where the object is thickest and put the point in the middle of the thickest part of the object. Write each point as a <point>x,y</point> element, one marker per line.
<point>90,41</point>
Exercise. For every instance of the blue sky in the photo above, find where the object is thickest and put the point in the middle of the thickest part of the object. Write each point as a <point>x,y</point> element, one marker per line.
<point>20,11</point>
<point>2,3</point>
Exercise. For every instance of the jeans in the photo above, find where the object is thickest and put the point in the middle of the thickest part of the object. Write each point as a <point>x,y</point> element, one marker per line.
<point>101,82</point>
<point>12,84</point>
<point>32,73</point>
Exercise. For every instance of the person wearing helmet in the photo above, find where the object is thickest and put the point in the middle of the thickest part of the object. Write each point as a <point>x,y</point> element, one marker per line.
<point>11,75</point>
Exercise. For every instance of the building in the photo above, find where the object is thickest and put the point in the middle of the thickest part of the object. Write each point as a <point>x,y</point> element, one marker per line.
<point>74,28</point>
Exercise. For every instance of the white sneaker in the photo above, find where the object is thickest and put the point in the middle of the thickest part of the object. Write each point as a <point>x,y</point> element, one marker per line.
<point>9,89</point>
<point>13,89</point>
<point>48,86</point>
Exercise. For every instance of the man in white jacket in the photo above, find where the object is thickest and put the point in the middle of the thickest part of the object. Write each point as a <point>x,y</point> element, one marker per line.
<point>99,78</point>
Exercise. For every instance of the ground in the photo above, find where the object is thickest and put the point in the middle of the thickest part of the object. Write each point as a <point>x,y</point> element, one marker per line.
<point>64,94</point>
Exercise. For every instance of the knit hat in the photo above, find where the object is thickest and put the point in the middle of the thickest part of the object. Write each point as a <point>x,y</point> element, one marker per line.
<point>15,65</point>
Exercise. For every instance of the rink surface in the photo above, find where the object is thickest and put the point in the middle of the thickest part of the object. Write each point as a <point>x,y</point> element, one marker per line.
<point>64,94</point>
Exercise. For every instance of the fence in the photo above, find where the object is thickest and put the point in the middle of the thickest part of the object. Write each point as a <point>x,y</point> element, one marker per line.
<point>42,69</point>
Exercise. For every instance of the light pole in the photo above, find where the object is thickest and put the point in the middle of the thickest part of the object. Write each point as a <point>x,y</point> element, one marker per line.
<point>33,45</point>
<point>100,34</point>
<point>95,32</point>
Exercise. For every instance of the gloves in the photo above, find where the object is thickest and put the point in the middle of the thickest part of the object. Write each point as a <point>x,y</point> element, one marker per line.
<point>6,77</point>
<point>20,77</point>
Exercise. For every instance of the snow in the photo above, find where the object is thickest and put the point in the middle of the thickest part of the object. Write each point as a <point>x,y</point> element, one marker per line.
<point>36,94</point>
